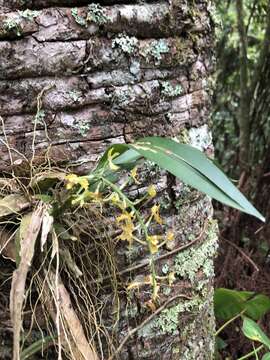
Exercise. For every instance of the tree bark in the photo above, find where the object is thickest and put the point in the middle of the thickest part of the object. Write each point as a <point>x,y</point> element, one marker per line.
<point>142,69</point>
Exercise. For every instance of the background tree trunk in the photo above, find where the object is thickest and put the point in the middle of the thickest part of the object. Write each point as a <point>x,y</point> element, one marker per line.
<point>135,68</point>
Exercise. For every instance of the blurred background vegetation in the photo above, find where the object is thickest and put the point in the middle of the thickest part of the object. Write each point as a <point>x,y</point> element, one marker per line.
<point>241,129</point>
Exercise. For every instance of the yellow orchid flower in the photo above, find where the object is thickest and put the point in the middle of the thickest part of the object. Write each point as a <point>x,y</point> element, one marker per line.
<point>127,232</point>
<point>170,236</point>
<point>152,191</point>
<point>155,214</point>
<point>171,278</point>
<point>83,182</point>
<point>72,179</point>
<point>111,156</point>
<point>153,243</point>
<point>134,175</point>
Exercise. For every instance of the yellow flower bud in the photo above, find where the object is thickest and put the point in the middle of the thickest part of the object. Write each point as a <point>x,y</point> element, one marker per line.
<point>152,191</point>
<point>170,236</point>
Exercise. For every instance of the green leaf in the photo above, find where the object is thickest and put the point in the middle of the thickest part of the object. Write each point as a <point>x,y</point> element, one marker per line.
<point>266,356</point>
<point>195,169</point>
<point>186,163</point>
<point>127,157</point>
<point>253,332</point>
<point>257,306</point>
<point>220,343</point>
<point>228,303</point>
<point>37,346</point>
<point>117,148</point>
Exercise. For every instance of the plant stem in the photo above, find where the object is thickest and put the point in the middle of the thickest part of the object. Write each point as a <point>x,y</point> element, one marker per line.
<point>144,227</point>
<point>228,322</point>
<point>251,353</point>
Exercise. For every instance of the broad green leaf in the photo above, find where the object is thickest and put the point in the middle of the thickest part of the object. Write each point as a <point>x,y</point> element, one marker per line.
<point>12,204</point>
<point>257,306</point>
<point>228,303</point>
<point>185,162</point>
<point>195,169</point>
<point>253,332</point>
<point>266,356</point>
<point>129,156</point>
<point>117,148</point>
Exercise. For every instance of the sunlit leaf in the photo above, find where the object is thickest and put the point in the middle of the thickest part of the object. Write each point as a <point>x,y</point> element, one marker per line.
<point>266,356</point>
<point>253,332</point>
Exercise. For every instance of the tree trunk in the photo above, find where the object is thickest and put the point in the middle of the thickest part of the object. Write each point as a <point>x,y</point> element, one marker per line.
<point>72,81</point>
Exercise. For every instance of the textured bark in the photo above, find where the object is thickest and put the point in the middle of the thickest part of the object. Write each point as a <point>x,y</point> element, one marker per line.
<point>97,85</point>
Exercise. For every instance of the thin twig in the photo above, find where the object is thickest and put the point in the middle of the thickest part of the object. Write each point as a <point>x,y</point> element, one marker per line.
<point>242,253</point>
<point>158,311</point>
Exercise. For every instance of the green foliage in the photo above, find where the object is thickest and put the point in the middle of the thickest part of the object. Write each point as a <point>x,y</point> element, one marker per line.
<point>228,303</point>
<point>253,332</point>
<point>193,168</point>
<point>227,92</point>
<point>231,305</point>
<point>37,346</point>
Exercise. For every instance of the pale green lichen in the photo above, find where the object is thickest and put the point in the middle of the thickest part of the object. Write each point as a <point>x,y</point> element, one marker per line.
<point>121,97</point>
<point>29,14</point>
<point>165,269</point>
<point>13,24</point>
<point>191,260</point>
<point>168,321</point>
<point>82,127</point>
<point>126,43</point>
<point>200,137</point>
<point>166,290</point>
<point>155,50</point>
<point>74,95</point>
<point>97,14</point>
<point>78,18</point>
<point>170,91</point>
